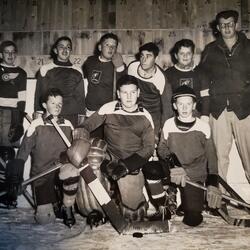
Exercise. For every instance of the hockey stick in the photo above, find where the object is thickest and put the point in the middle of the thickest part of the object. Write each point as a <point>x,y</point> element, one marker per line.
<point>232,220</point>
<point>239,202</point>
<point>94,184</point>
<point>173,161</point>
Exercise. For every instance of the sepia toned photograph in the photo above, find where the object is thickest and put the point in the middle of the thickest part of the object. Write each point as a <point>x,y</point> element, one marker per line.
<point>124,124</point>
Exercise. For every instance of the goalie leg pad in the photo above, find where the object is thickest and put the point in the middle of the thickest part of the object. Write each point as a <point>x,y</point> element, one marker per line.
<point>137,214</point>
<point>131,190</point>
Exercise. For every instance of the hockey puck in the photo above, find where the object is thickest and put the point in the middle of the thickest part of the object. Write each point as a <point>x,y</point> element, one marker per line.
<point>138,235</point>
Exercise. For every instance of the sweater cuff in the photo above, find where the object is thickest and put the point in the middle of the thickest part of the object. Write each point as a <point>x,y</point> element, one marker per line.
<point>134,162</point>
<point>212,180</point>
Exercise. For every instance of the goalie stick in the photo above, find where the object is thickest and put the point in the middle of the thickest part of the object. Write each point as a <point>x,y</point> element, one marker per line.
<point>100,193</point>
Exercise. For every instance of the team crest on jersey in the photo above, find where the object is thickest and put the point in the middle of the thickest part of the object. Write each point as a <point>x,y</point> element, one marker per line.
<point>96,76</point>
<point>9,76</point>
<point>187,81</point>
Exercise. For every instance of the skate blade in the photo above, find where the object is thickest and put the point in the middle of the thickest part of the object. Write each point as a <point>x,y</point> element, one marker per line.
<point>147,227</point>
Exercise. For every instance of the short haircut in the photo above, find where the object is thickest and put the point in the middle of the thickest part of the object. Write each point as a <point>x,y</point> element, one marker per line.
<point>151,47</point>
<point>5,44</point>
<point>107,36</point>
<point>184,43</point>
<point>226,14</point>
<point>62,38</point>
<point>51,92</point>
<point>127,80</point>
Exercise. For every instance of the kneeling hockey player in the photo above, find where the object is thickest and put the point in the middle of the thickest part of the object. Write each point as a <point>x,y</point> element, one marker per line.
<point>189,139</point>
<point>129,133</point>
<point>45,146</point>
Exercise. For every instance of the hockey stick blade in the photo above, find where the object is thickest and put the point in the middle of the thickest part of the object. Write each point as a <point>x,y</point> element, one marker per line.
<point>147,227</point>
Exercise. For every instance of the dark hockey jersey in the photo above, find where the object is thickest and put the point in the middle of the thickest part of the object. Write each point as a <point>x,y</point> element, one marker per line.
<point>125,133</point>
<point>13,82</point>
<point>66,77</point>
<point>100,76</point>
<point>44,144</point>
<point>195,79</point>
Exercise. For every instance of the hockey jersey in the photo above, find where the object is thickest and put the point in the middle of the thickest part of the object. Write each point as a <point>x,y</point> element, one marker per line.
<point>125,133</point>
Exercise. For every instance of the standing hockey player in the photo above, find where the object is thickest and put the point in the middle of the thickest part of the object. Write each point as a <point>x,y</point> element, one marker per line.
<point>63,75</point>
<point>129,133</point>
<point>185,72</point>
<point>101,71</point>
<point>155,91</point>
<point>12,105</point>
<point>189,138</point>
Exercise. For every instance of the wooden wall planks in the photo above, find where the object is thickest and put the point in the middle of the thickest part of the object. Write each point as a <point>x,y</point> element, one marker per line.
<point>35,24</point>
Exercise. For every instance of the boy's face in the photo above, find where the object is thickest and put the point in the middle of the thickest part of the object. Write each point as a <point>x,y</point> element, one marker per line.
<point>185,106</point>
<point>128,95</point>
<point>184,56</point>
<point>147,60</point>
<point>9,55</point>
<point>54,105</point>
<point>227,27</point>
<point>108,48</point>
<point>63,50</point>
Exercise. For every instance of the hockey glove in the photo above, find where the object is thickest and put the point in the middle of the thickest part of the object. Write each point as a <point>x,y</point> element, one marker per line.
<point>15,132</point>
<point>16,129</point>
<point>14,178</point>
<point>117,60</point>
<point>213,197</point>
<point>178,176</point>
<point>107,168</point>
<point>114,170</point>
<point>120,171</point>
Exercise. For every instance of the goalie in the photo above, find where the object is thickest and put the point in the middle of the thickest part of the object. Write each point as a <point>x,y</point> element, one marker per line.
<point>129,133</point>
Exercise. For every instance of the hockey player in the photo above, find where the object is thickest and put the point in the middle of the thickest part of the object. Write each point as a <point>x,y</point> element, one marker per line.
<point>185,72</point>
<point>63,75</point>
<point>189,138</point>
<point>101,71</point>
<point>129,133</point>
<point>155,91</point>
<point>12,105</point>
<point>45,145</point>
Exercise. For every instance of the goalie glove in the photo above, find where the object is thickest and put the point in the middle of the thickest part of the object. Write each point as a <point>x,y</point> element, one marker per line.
<point>113,169</point>
<point>119,171</point>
